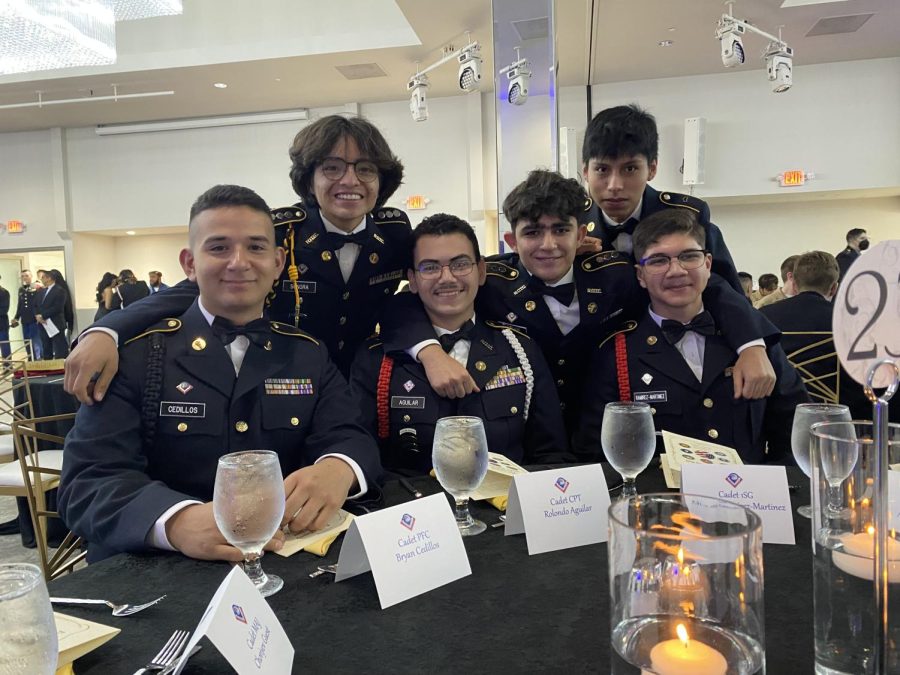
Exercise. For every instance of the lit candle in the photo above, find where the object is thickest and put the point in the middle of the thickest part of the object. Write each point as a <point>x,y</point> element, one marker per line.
<point>686,657</point>
<point>684,588</point>
<point>857,555</point>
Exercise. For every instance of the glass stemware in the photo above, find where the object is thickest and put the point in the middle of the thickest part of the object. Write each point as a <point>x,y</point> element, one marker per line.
<point>805,415</point>
<point>628,439</point>
<point>248,504</point>
<point>838,452</point>
<point>460,459</point>
<point>28,640</point>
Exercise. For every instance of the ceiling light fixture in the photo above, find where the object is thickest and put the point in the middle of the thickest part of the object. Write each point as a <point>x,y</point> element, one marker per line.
<point>779,57</point>
<point>470,67</point>
<point>469,76</point>
<point>220,85</point>
<point>418,100</point>
<point>518,75</point>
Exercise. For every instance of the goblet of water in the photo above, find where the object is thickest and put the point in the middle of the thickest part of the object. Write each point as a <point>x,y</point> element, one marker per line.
<point>28,639</point>
<point>628,439</point>
<point>248,504</point>
<point>805,415</point>
<point>460,459</point>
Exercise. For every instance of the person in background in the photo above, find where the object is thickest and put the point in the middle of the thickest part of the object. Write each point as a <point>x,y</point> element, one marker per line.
<point>50,313</point>
<point>69,308</point>
<point>857,242</point>
<point>5,350</point>
<point>674,357</point>
<point>768,284</point>
<point>105,289</point>
<point>747,284</point>
<point>787,290</point>
<point>156,284</point>
<point>129,290</point>
<point>31,331</point>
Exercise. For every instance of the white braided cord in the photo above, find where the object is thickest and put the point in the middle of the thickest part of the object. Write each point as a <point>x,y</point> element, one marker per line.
<point>526,367</point>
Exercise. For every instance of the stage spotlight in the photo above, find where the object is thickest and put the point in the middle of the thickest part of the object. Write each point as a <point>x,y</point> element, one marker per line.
<point>780,66</point>
<point>470,67</point>
<point>519,77</point>
<point>729,33</point>
<point>418,103</point>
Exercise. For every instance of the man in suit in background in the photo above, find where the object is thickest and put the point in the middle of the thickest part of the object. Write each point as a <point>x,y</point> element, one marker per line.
<point>50,313</point>
<point>25,313</point>
<point>857,242</point>
<point>4,323</point>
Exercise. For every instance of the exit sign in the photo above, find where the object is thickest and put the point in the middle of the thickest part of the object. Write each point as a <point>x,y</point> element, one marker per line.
<point>416,202</point>
<point>792,178</point>
<point>15,226</point>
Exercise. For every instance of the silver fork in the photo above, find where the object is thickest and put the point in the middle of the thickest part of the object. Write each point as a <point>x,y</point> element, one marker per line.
<point>117,610</point>
<point>168,654</point>
<point>324,569</point>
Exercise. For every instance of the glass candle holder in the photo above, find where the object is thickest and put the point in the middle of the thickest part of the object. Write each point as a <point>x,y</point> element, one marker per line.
<point>686,586</point>
<point>842,459</point>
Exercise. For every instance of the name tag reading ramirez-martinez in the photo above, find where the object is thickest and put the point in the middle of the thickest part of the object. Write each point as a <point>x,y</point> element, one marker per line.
<point>181,409</point>
<point>417,402</point>
<point>651,396</point>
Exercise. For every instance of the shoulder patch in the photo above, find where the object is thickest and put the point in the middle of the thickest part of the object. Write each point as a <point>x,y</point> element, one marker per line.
<point>287,329</point>
<point>387,215</point>
<point>627,327</point>
<point>288,214</point>
<point>597,261</point>
<point>165,326</point>
<point>682,201</point>
<point>500,325</point>
<point>499,269</point>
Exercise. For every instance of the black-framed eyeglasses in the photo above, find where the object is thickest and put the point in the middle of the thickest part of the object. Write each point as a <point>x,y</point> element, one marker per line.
<point>334,168</point>
<point>659,263</point>
<point>459,267</point>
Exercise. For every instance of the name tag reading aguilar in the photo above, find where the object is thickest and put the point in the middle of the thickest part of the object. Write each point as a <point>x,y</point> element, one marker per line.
<point>416,402</point>
<point>182,409</point>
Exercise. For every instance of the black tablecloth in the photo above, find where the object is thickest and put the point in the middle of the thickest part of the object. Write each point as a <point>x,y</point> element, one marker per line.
<point>515,613</point>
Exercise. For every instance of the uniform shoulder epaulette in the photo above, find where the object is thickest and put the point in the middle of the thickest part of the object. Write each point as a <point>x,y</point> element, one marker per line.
<point>164,326</point>
<point>588,203</point>
<point>695,204</point>
<point>499,269</point>
<point>597,261</point>
<point>626,327</point>
<point>386,215</point>
<point>500,325</point>
<point>289,214</point>
<point>288,329</point>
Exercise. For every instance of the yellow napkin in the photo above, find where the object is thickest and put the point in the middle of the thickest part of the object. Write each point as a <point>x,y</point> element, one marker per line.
<point>320,547</point>
<point>66,670</point>
<point>497,502</point>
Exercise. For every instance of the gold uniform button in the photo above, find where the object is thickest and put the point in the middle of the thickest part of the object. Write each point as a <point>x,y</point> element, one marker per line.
<point>295,421</point>
<point>530,306</point>
<point>326,256</point>
<point>513,410</point>
<point>591,226</point>
<point>707,403</point>
<point>342,320</point>
<point>346,295</point>
<point>652,411</point>
<point>560,382</point>
<point>340,344</point>
<point>712,433</point>
<point>182,426</point>
<point>172,323</point>
<point>241,426</point>
<point>561,362</point>
<point>592,308</point>
<point>480,366</point>
<point>651,340</point>
<point>373,258</point>
<point>198,345</point>
<point>407,418</point>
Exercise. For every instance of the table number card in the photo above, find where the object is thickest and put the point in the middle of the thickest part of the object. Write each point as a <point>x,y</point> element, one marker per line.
<point>410,548</point>
<point>242,626</point>
<point>762,489</point>
<point>559,508</point>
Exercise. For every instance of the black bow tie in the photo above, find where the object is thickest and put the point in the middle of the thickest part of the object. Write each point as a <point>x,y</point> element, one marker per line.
<point>464,333</point>
<point>335,241</point>
<point>627,227</point>
<point>564,293</point>
<point>703,324</point>
<point>257,331</point>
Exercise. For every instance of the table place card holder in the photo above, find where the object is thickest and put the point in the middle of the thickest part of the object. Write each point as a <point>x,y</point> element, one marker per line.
<point>761,489</point>
<point>76,637</point>
<point>245,630</point>
<point>559,508</point>
<point>410,548</point>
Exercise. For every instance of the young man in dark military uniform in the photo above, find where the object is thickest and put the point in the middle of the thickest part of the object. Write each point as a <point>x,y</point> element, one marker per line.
<point>675,359</point>
<point>140,466</point>
<point>516,397</point>
<point>25,314</point>
<point>346,251</point>
<point>857,242</point>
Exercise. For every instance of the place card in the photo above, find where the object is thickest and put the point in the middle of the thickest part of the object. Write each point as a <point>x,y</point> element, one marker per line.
<point>559,508</point>
<point>76,637</point>
<point>242,626</point>
<point>762,489</point>
<point>411,548</point>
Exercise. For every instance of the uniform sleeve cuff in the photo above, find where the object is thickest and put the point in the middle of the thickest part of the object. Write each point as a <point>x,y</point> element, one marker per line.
<point>753,343</point>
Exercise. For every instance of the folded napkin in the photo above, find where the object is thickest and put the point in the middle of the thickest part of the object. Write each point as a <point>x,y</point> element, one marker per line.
<point>497,502</point>
<point>320,547</point>
<point>66,670</point>
<point>317,543</point>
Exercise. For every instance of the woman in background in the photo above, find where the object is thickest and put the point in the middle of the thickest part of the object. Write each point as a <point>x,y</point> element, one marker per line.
<point>104,294</point>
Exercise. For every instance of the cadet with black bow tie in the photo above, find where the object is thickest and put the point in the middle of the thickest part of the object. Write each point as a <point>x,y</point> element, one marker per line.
<point>675,359</point>
<point>516,399</point>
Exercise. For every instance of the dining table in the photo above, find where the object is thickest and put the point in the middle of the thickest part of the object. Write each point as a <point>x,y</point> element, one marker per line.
<point>546,613</point>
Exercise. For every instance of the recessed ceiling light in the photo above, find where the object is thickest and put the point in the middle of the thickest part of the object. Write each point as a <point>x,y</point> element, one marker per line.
<point>671,29</point>
<point>220,85</point>
<point>278,79</point>
<point>665,43</point>
<point>130,233</point>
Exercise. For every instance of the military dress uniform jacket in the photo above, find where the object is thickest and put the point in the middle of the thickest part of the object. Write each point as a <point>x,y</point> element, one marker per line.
<point>844,259</point>
<point>659,375</point>
<point>403,399</point>
<point>340,315</point>
<point>25,309</point>
<point>121,473</point>
<point>4,310</point>
<point>654,201</point>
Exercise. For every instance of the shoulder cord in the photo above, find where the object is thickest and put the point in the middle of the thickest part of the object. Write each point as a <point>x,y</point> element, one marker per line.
<point>622,368</point>
<point>294,275</point>
<point>152,389</point>
<point>382,396</point>
<point>526,367</point>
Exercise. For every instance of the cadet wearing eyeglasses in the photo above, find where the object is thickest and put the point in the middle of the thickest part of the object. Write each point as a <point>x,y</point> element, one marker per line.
<point>674,358</point>
<point>516,398</point>
<point>346,253</point>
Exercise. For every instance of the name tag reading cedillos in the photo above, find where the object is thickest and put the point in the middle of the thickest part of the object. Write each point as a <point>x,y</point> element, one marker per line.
<point>181,409</point>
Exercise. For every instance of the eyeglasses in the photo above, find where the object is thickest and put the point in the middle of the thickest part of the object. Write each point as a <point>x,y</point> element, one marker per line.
<point>659,263</point>
<point>458,268</point>
<point>334,168</point>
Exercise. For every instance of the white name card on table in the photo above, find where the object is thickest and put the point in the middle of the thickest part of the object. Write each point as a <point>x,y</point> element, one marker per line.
<point>411,548</point>
<point>762,489</point>
<point>559,508</point>
<point>242,626</point>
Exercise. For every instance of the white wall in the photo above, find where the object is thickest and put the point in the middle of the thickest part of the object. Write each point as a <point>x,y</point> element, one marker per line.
<point>26,190</point>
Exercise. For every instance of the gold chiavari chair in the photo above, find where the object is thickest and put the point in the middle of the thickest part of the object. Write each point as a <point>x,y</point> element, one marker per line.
<point>814,357</point>
<point>15,399</point>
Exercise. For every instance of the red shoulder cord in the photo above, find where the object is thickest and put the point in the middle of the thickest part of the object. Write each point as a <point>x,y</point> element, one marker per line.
<point>622,368</point>
<point>382,396</point>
